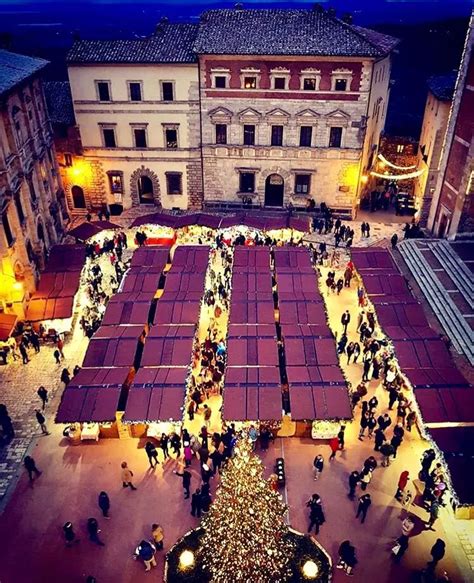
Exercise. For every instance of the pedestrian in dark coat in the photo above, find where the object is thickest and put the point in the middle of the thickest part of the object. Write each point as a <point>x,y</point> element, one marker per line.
<point>402,543</point>
<point>340,436</point>
<point>345,319</point>
<point>186,475</point>
<point>395,442</point>
<point>364,504</point>
<point>164,445</point>
<point>318,466</point>
<point>364,422</point>
<point>402,484</point>
<point>104,504</point>
<point>24,353</point>
<point>316,514</point>
<point>196,503</point>
<point>438,551</point>
<point>394,240</point>
<point>379,439</point>
<point>31,468</point>
<point>41,421</point>
<point>93,530</point>
<point>350,351</point>
<point>353,481</point>
<point>69,534</point>
<point>356,351</point>
<point>152,453</point>
<point>371,424</point>
<point>347,557</point>
<point>43,395</point>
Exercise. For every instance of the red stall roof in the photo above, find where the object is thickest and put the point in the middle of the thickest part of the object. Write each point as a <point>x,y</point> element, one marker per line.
<point>168,346</point>
<point>251,259</point>
<point>292,260</point>
<point>113,346</point>
<point>254,351</point>
<point>421,353</point>
<point>448,374</point>
<point>179,312</point>
<point>292,312</point>
<point>192,282</point>
<point>372,258</point>
<point>190,258</point>
<point>7,325</point>
<point>252,403</point>
<point>299,286</point>
<point>312,330</point>
<point>57,285</point>
<point>409,332</point>
<point>385,284</point>
<point>401,315</point>
<point>124,308</point>
<point>446,404</point>
<point>252,312</point>
<point>52,309</point>
<point>456,443</point>
<point>319,402</point>
<point>242,376</point>
<point>150,257</point>
<point>66,258</point>
<point>138,280</point>
<point>311,352</point>
<point>87,230</point>
<point>252,283</point>
<point>156,219</point>
<point>249,330</point>
<point>314,375</point>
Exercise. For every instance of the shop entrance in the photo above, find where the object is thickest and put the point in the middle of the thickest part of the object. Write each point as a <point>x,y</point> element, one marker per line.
<point>274,190</point>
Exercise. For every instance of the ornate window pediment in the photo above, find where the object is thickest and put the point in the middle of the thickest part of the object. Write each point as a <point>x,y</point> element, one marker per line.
<point>341,79</point>
<point>307,117</point>
<point>337,118</point>
<point>310,79</point>
<point>221,115</point>
<point>249,115</point>
<point>277,116</point>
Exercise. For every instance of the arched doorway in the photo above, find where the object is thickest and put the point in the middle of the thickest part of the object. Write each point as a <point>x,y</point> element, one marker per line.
<point>78,198</point>
<point>40,231</point>
<point>145,190</point>
<point>274,190</point>
<point>443,227</point>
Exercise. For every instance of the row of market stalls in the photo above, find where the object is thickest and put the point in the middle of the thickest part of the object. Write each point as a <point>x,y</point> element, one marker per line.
<point>444,397</point>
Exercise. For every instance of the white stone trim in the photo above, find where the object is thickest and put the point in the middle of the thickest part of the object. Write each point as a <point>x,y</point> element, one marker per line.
<point>341,73</point>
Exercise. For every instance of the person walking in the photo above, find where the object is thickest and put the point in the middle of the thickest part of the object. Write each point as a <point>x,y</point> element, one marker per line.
<point>41,421</point>
<point>340,436</point>
<point>43,395</point>
<point>364,503</point>
<point>186,476</point>
<point>394,240</point>
<point>318,465</point>
<point>347,557</point>
<point>164,445</point>
<point>334,445</point>
<point>30,466</point>
<point>364,423</point>
<point>127,476</point>
<point>152,453</point>
<point>196,503</point>
<point>24,353</point>
<point>437,552</point>
<point>356,352</point>
<point>158,536</point>
<point>207,416</point>
<point>146,552</point>
<point>69,534</point>
<point>57,356</point>
<point>65,377</point>
<point>93,530</point>
<point>371,424</point>
<point>345,319</point>
<point>104,504</point>
<point>365,478</point>
<point>353,481</point>
<point>434,513</point>
<point>400,548</point>
<point>316,514</point>
<point>387,450</point>
<point>402,484</point>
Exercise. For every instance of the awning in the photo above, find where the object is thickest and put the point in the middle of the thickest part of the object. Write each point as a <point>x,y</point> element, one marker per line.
<point>446,404</point>
<point>168,346</point>
<point>308,351</point>
<point>7,325</point>
<point>252,403</point>
<point>87,229</point>
<point>150,257</point>
<point>373,258</point>
<point>179,312</point>
<point>252,312</point>
<point>302,313</point>
<point>385,284</point>
<point>253,351</point>
<point>292,260</point>
<point>113,346</point>
<point>251,259</point>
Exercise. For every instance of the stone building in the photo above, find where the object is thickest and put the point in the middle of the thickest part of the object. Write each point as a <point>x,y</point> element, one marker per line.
<point>136,103</point>
<point>452,207</point>
<point>433,131</point>
<point>273,105</point>
<point>32,205</point>
<point>292,105</point>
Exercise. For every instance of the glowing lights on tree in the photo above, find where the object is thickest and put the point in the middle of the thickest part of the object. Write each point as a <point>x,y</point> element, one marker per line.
<point>244,532</point>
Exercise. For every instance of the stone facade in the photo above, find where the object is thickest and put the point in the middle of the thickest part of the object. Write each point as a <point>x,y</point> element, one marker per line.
<point>32,201</point>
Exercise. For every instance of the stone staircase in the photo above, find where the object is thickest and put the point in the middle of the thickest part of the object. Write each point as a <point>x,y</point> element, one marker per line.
<point>448,314</point>
<point>455,267</point>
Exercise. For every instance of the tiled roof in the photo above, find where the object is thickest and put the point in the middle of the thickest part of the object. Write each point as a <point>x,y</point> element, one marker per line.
<point>171,43</point>
<point>442,86</point>
<point>16,68</point>
<point>59,102</point>
<point>384,41</point>
<point>285,32</point>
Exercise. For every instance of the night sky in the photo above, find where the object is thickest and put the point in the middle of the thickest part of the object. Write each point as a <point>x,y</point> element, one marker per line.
<point>432,34</point>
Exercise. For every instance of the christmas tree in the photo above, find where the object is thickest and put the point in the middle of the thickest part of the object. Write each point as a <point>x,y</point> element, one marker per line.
<point>245,535</point>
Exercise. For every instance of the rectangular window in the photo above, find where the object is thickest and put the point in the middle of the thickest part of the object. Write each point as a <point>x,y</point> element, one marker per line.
<point>135,91</point>
<point>139,135</point>
<point>171,136</point>
<point>19,207</point>
<point>173,183</point>
<point>116,183</point>
<point>277,136</point>
<point>279,83</point>
<point>335,137</point>
<point>306,133</point>
<point>68,160</point>
<point>109,138</point>
<point>31,187</point>
<point>309,84</point>
<point>249,135</point>
<point>103,90</point>
<point>247,182</point>
<point>302,183</point>
<point>7,230</point>
<point>250,82</point>
<point>220,81</point>
<point>340,85</point>
<point>167,91</point>
<point>221,133</point>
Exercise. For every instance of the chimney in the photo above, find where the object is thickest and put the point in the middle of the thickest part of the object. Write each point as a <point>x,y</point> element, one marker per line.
<point>239,6</point>
<point>347,18</point>
<point>161,24</point>
<point>332,12</point>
